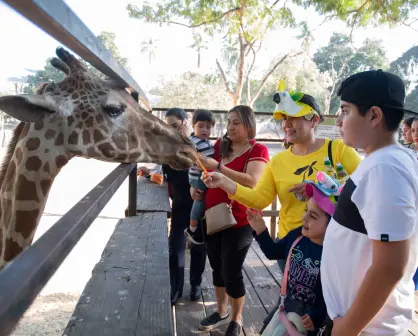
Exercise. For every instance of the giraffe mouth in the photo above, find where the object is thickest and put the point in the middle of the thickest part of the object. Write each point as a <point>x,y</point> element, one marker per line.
<point>186,158</point>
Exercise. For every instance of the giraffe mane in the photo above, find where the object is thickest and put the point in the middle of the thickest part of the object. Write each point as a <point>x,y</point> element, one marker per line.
<point>10,150</point>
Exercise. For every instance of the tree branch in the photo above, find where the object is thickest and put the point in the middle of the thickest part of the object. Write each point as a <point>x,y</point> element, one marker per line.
<point>224,79</point>
<point>267,76</point>
<point>227,13</point>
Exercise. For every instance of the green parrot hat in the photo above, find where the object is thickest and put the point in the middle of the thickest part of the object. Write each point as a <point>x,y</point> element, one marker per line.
<point>294,104</point>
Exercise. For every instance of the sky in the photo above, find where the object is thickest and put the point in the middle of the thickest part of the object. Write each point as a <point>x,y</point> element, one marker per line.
<point>25,46</point>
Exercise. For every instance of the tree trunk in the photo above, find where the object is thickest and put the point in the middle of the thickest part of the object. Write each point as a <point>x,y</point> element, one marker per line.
<point>198,59</point>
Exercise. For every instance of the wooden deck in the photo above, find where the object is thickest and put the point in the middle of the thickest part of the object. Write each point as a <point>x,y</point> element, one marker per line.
<point>262,279</point>
<point>129,291</point>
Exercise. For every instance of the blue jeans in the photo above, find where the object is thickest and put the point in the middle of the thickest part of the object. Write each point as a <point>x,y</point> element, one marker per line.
<point>198,207</point>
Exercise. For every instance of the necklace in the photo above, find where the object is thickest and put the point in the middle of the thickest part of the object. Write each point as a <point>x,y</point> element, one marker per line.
<point>235,156</point>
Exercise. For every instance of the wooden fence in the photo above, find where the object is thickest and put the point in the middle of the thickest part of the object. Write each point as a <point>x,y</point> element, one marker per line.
<point>23,279</point>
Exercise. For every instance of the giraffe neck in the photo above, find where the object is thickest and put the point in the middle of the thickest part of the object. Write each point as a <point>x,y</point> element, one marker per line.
<point>33,166</point>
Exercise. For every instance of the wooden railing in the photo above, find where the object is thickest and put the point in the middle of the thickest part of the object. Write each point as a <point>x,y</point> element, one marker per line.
<point>23,279</point>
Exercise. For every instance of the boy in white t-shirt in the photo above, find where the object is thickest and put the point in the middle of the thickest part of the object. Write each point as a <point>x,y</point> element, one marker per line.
<point>370,247</point>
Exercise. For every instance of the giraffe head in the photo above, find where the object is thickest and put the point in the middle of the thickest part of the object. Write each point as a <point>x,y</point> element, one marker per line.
<point>90,117</point>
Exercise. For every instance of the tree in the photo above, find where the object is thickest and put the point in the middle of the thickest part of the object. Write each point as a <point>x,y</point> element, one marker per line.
<point>198,45</point>
<point>247,21</point>
<point>47,74</point>
<point>51,74</point>
<point>339,59</point>
<point>149,47</point>
<point>406,67</point>
<point>193,90</point>
<point>244,22</point>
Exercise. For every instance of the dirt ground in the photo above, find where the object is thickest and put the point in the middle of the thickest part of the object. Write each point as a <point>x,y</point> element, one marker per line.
<point>48,315</point>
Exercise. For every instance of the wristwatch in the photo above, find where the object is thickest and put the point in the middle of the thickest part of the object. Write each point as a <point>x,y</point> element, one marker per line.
<point>219,167</point>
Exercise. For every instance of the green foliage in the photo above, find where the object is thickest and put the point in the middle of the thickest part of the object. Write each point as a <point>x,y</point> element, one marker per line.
<point>217,16</point>
<point>405,65</point>
<point>47,74</point>
<point>51,74</point>
<point>364,12</point>
<point>340,59</point>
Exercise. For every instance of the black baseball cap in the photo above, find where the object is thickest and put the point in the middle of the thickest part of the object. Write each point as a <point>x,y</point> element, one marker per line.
<point>375,88</point>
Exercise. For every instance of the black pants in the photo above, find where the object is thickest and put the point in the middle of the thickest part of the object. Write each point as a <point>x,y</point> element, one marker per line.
<point>226,252</point>
<point>180,220</point>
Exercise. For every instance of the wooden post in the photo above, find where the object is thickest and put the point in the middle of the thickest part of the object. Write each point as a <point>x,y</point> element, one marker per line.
<point>133,180</point>
<point>273,220</point>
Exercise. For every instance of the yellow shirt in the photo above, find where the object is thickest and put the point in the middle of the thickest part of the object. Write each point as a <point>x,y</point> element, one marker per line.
<point>285,170</point>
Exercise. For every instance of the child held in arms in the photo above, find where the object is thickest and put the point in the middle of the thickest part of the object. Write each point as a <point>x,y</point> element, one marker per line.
<point>203,121</point>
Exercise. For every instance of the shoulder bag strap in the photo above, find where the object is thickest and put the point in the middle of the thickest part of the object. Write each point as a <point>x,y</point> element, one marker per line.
<point>248,157</point>
<point>330,153</point>
<point>286,273</point>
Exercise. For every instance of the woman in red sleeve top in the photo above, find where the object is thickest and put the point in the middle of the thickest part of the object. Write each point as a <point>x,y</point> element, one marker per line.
<point>227,249</point>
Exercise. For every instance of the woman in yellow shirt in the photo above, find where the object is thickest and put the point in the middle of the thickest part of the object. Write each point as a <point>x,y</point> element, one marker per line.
<point>285,172</point>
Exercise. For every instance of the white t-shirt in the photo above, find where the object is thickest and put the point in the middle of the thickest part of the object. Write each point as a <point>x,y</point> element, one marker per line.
<point>379,202</point>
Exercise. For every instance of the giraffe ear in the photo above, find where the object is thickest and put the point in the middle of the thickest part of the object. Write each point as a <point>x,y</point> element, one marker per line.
<point>29,108</point>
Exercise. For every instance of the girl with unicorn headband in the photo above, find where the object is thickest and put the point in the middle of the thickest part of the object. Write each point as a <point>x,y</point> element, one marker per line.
<point>301,309</point>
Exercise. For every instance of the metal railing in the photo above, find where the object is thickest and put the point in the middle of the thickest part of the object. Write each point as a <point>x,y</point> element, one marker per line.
<point>23,279</point>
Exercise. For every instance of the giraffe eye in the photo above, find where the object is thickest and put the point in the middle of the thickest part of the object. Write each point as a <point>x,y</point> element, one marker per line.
<point>114,110</point>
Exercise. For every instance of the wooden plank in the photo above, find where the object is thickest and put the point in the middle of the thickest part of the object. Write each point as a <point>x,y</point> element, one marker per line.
<point>129,291</point>
<point>253,313</point>
<point>188,314</point>
<point>266,288</point>
<point>209,298</point>
<point>271,265</point>
<point>273,219</point>
<point>151,197</point>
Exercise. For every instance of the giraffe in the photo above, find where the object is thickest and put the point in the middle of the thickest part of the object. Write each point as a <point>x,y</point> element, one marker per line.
<point>80,116</point>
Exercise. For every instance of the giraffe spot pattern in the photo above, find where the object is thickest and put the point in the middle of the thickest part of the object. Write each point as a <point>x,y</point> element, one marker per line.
<point>26,190</point>
<point>73,138</point>
<point>33,163</point>
<point>50,134</point>
<point>23,221</point>
<point>33,144</point>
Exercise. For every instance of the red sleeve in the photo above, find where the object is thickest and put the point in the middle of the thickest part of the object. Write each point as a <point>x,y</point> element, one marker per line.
<point>259,153</point>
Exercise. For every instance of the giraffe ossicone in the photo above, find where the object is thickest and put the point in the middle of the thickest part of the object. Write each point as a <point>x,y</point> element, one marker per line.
<point>82,115</point>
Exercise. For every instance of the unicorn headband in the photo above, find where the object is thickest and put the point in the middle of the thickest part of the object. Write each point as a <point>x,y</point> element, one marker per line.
<point>290,103</point>
<point>325,192</point>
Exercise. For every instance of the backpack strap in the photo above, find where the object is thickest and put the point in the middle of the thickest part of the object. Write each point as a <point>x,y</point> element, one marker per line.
<point>330,152</point>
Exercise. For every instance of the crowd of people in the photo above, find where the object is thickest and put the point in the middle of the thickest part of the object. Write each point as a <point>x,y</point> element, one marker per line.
<point>347,233</point>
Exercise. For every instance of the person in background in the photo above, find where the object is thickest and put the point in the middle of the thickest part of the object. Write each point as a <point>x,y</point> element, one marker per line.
<point>407,132</point>
<point>202,122</point>
<point>414,134</point>
<point>370,247</point>
<point>228,248</point>
<point>178,182</point>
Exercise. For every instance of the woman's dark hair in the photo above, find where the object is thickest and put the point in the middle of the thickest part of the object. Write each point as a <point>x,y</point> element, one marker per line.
<point>176,112</point>
<point>247,117</point>
<point>203,115</point>
<point>309,100</point>
<point>408,121</point>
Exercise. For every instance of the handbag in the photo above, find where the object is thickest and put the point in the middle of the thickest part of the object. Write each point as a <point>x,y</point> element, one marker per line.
<point>220,216</point>
<point>284,323</point>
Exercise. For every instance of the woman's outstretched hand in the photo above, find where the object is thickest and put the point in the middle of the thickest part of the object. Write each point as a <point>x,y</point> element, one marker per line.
<point>214,180</point>
<point>208,162</point>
